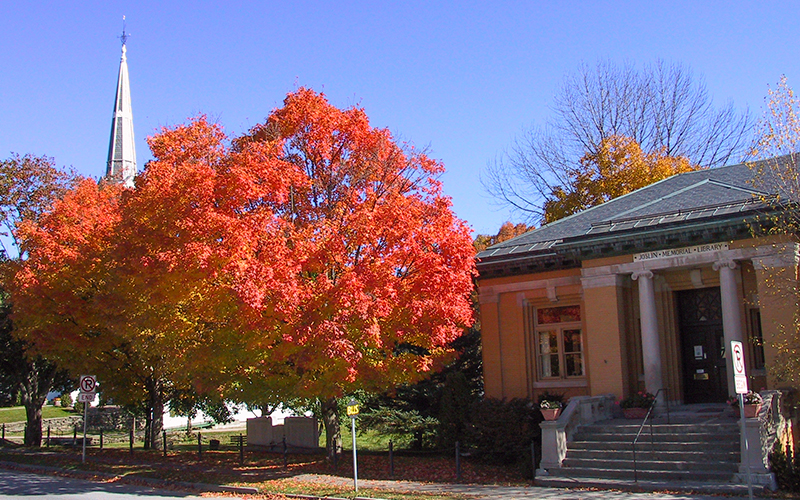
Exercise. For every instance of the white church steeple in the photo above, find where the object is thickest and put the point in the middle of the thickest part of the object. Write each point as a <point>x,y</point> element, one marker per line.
<point>121,166</point>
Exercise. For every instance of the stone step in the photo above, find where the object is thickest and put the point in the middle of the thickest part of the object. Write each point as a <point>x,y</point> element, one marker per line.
<point>652,465</point>
<point>645,475</point>
<point>721,446</point>
<point>662,429</point>
<point>699,457</point>
<point>693,437</point>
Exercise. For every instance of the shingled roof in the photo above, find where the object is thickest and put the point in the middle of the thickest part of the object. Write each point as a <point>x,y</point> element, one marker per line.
<point>702,206</point>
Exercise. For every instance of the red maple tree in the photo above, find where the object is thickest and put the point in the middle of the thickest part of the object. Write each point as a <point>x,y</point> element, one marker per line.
<point>311,257</point>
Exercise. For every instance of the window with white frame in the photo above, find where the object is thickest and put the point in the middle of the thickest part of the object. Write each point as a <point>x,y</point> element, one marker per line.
<point>557,342</point>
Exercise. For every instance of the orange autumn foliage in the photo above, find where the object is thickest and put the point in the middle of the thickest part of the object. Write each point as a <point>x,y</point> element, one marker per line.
<point>309,258</point>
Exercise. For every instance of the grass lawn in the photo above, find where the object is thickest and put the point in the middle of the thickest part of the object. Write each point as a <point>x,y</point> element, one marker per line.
<point>17,413</point>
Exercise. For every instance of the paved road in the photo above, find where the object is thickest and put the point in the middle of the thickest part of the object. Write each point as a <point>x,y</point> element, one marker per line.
<point>16,485</point>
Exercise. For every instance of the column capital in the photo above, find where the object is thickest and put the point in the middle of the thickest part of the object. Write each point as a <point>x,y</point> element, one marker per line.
<point>645,273</point>
<point>723,263</point>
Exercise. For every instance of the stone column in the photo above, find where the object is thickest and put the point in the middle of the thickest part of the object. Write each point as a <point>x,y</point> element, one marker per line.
<point>731,312</point>
<point>651,345</point>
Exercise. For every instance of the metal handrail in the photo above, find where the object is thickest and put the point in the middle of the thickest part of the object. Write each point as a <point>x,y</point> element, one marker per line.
<point>644,422</point>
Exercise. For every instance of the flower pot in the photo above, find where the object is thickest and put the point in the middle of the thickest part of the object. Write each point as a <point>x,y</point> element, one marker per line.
<point>551,413</point>
<point>750,411</point>
<point>634,413</point>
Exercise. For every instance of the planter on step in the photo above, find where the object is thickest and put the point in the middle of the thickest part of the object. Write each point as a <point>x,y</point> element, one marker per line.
<point>750,411</point>
<point>551,413</point>
<point>634,413</point>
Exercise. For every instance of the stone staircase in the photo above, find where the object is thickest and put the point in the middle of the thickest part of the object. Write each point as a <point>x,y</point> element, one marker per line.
<point>705,451</point>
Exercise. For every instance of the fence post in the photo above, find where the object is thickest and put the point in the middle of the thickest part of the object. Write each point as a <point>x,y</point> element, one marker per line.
<point>458,461</point>
<point>199,445</point>
<point>285,458</point>
<point>164,441</point>
<point>391,459</point>
<point>241,448</point>
<point>101,438</point>
<point>48,436</point>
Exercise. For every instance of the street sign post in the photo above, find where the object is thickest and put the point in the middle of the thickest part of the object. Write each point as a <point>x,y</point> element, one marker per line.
<point>88,387</point>
<point>740,383</point>
<point>352,412</point>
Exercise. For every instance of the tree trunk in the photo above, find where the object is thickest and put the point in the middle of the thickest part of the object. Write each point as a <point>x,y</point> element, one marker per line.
<point>34,391</point>
<point>155,413</point>
<point>33,429</point>
<point>333,431</point>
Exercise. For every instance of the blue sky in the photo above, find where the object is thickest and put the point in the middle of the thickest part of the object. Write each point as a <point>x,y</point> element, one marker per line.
<point>461,78</point>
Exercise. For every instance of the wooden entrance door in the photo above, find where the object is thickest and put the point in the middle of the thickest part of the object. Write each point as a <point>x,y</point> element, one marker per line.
<point>702,346</point>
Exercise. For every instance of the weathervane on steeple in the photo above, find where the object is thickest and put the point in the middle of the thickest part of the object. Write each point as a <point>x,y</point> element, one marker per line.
<point>123,36</point>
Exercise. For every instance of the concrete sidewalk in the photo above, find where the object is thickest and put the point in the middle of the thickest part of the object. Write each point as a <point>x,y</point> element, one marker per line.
<point>606,490</point>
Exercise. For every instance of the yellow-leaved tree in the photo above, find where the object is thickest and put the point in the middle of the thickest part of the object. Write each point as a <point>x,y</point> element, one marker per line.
<point>776,172</point>
<point>617,167</point>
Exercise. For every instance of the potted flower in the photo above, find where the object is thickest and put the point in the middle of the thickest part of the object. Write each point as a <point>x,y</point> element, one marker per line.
<point>752,403</point>
<point>637,404</point>
<point>550,405</point>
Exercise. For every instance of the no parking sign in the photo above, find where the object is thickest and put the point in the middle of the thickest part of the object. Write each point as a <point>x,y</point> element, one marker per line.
<point>739,375</point>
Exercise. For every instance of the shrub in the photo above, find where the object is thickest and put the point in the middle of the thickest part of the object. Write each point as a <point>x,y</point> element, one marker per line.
<point>403,426</point>
<point>66,400</point>
<point>751,398</point>
<point>640,399</point>
<point>549,401</point>
<point>501,432</point>
<point>786,466</point>
<point>454,410</point>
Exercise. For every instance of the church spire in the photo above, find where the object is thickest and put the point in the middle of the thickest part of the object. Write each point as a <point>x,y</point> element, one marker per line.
<point>121,166</point>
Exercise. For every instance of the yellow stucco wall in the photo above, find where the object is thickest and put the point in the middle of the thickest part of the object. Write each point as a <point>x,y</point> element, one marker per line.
<point>606,349</point>
<point>610,323</point>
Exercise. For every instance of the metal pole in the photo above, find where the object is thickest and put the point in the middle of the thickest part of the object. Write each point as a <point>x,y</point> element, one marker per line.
<point>133,425</point>
<point>355,459</point>
<point>391,459</point>
<point>458,461</point>
<point>48,436</point>
<point>164,441</point>
<point>746,446</point>
<point>85,418</point>
<point>199,445</point>
<point>285,457</point>
<point>241,449</point>
<point>4,432</point>
<point>101,438</point>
